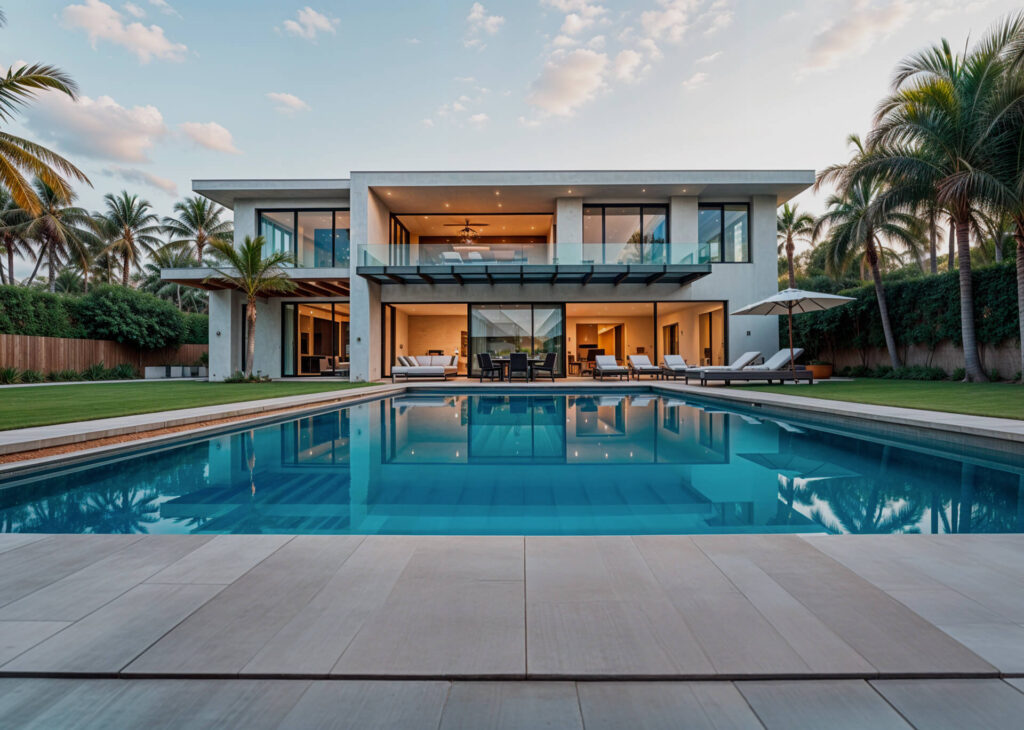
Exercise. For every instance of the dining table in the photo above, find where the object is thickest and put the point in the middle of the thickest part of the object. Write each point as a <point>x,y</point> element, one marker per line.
<point>504,360</point>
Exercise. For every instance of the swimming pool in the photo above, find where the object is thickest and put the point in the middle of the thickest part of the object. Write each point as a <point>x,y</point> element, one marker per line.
<point>488,462</point>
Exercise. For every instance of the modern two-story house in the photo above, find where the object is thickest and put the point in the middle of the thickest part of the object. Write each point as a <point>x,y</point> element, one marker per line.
<point>572,262</point>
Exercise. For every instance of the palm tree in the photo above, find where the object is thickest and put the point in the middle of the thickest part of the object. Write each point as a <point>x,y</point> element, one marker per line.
<point>256,276</point>
<point>197,223</point>
<point>11,243</point>
<point>60,229</point>
<point>169,256</point>
<point>792,226</point>
<point>856,222</point>
<point>21,159</point>
<point>937,134</point>
<point>132,227</point>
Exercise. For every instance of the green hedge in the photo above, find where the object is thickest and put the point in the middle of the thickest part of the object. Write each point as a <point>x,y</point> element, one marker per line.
<point>107,312</point>
<point>924,311</point>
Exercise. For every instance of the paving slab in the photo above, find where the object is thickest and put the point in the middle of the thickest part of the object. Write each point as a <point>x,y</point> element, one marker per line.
<point>13,540</point>
<point>457,609</point>
<point>955,704</point>
<point>817,704</point>
<point>105,641</point>
<point>95,585</point>
<point>366,705</point>
<point>512,706</point>
<point>224,559</point>
<point>226,633</point>
<point>17,637</point>
<point>665,706</point>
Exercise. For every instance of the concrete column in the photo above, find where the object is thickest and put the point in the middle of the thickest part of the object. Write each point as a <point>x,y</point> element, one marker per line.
<point>267,358</point>
<point>762,282</point>
<point>569,230</point>
<point>683,230</point>
<point>225,333</point>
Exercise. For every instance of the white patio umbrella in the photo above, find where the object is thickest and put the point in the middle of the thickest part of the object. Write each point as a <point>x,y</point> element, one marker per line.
<point>788,301</point>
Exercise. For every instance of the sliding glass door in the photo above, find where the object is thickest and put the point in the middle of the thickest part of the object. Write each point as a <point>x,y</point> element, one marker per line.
<point>501,329</point>
<point>315,338</point>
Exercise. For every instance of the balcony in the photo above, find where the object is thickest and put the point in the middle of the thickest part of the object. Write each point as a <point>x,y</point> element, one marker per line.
<point>515,263</point>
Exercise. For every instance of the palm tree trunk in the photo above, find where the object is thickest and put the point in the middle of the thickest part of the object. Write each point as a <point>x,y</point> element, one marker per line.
<point>933,242</point>
<point>10,265</point>
<point>250,344</point>
<point>1020,287</point>
<point>972,362</point>
<point>952,244</point>
<point>35,270</point>
<point>200,244</point>
<point>999,249</point>
<point>126,270</point>
<point>789,261</point>
<point>51,275</point>
<point>883,307</point>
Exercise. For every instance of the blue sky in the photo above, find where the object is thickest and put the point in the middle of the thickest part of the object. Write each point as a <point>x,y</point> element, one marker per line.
<point>180,89</point>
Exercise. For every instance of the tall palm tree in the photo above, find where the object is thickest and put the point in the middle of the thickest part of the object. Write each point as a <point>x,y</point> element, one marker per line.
<point>11,244</point>
<point>60,229</point>
<point>792,226</point>
<point>170,256</point>
<point>854,226</point>
<point>133,229</point>
<point>197,222</point>
<point>937,133</point>
<point>255,276</point>
<point>21,160</point>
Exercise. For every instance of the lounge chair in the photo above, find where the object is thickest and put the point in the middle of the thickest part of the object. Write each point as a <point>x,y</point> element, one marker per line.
<point>672,366</point>
<point>518,365</point>
<point>741,362</point>
<point>546,367</point>
<point>487,367</point>
<point>451,257</point>
<point>425,366</point>
<point>642,365</point>
<point>606,365</point>
<point>774,368</point>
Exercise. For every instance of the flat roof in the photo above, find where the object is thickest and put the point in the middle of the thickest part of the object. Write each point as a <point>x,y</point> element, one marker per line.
<point>530,185</point>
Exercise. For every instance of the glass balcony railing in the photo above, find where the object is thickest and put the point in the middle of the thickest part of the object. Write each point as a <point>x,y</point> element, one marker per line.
<point>532,254</point>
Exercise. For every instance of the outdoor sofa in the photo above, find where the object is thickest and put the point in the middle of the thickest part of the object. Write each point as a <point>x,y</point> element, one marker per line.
<point>606,365</point>
<point>425,366</point>
<point>642,365</point>
<point>774,368</point>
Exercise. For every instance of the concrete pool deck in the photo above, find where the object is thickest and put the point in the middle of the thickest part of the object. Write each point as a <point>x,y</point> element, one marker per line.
<point>759,630</point>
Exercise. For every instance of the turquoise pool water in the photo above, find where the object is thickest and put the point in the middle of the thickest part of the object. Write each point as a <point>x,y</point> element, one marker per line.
<point>494,463</point>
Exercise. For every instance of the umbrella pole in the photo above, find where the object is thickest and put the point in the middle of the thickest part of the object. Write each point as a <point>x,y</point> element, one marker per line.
<point>792,365</point>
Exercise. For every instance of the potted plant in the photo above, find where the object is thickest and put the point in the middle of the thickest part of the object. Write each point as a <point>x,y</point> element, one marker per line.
<point>820,370</point>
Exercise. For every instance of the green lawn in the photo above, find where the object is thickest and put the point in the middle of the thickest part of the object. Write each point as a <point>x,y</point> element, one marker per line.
<point>1001,400</point>
<point>44,405</point>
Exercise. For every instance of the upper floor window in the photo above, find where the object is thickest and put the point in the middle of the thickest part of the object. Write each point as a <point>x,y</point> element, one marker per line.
<point>314,238</point>
<point>627,233</point>
<point>725,230</point>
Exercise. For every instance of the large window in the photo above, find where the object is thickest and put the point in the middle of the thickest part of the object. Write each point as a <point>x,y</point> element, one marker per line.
<point>725,231</point>
<point>630,234</point>
<point>315,338</point>
<point>314,238</point>
<point>501,329</point>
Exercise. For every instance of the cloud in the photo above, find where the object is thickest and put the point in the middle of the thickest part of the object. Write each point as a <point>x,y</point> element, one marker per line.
<point>141,177</point>
<point>563,41</point>
<point>102,22</point>
<point>670,21</point>
<point>479,119</point>
<point>568,81</point>
<point>164,7</point>
<point>427,122</point>
<point>98,128</point>
<point>480,21</point>
<point>855,32</point>
<point>210,135</point>
<point>287,103</point>
<point>708,58</point>
<point>309,23</point>
<point>134,10</point>
<point>413,41</point>
<point>695,81</point>
<point>626,65</point>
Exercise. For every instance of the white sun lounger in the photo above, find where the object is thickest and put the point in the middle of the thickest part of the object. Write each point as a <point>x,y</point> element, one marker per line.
<point>642,365</point>
<point>606,365</point>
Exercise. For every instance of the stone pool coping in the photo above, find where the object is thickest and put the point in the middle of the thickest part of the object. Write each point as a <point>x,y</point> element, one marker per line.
<point>1000,434</point>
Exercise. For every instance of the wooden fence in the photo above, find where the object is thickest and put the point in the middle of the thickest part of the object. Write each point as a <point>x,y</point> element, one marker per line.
<point>48,354</point>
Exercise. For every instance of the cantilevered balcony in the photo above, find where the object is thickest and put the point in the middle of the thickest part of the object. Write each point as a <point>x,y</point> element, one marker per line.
<point>519,263</point>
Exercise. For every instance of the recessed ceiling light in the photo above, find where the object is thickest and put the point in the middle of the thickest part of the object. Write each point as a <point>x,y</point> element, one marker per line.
<point>497,192</point>
<point>499,205</point>
<point>446,205</point>
<point>643,190</point>
<point>389,192</point>
<point>570,190</point>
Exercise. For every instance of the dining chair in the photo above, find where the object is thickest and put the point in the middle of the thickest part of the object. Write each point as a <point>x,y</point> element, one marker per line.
<point>548,367</point>
<point>518,364</point>
<point>488,369</point>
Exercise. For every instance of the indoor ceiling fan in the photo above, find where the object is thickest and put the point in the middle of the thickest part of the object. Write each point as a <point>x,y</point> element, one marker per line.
<point>466,230</point>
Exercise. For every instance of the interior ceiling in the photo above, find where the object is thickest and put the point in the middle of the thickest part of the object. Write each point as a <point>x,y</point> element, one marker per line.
<point>610,309</point>
<point>324,310</point>
<point>497,225</point>
<point>432,309</point>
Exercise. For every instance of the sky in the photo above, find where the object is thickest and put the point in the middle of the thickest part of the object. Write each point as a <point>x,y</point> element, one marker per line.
<point>175,90</point>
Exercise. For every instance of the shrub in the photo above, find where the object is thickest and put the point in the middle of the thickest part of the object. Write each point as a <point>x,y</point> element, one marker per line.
<point>882,371</point>
<point>197,329</point>
<point>239,377</point>
<point>857,371</point>
<point>63,376</point>
<point>204,359</point>
<point>125,315</point>
<point>958,374</point>
<point>993,375</point>
<point>25,311</point>
<point>9,376</point>
<point>31,376</point>
<point>124,371</point>
<point>916,372</point>
<point>97,371</point>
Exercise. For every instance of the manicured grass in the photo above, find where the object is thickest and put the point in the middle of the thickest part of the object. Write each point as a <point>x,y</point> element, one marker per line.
<point>44,405</point>
<point>1000,400</point>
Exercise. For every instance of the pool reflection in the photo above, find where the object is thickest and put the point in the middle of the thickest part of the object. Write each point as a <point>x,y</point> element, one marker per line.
<point>525,464</point>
